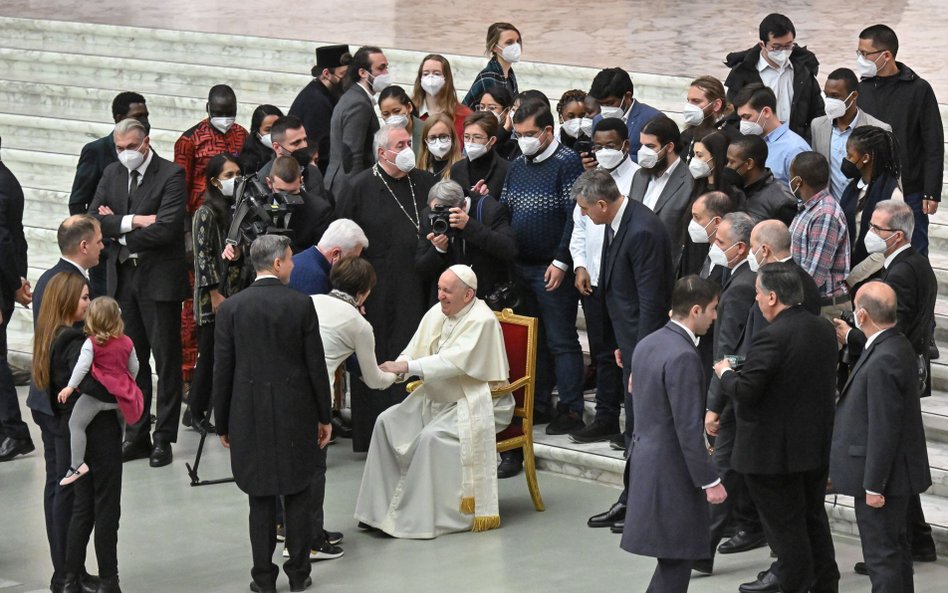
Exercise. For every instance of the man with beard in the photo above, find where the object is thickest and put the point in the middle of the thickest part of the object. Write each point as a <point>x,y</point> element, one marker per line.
<point>314,105</point>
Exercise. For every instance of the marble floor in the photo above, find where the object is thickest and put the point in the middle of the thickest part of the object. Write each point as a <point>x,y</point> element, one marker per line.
<point>187,540</point>
<point>671,37</point>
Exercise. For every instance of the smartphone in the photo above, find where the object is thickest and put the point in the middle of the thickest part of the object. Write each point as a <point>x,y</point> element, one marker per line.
<point>582,146</point>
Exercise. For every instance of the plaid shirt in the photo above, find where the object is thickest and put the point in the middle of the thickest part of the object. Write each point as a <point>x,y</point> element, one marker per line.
<point>820,243</point>
<point>492,74</point>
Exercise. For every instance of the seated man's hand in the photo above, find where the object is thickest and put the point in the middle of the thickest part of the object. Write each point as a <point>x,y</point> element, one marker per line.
<point>398,367</point>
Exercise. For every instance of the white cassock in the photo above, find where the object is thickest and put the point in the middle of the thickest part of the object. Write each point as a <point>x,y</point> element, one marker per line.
<point>432,464</point>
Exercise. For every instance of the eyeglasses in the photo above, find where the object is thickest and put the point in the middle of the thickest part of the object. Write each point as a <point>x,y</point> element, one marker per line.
<point>876,227</point>
<point>479,138</point>
<point>788,47</point>
<point>486,107</point>
<point>598,147</point>
<point>866,54</point>
<point>442,138</point>
<point>533,134</point>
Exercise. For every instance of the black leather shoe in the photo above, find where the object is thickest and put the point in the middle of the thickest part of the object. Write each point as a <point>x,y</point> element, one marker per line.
<point>139,449</point>
<point>596,431</point>
<point>10,447</point>
<point>257,589</point>
<point>860,568</point>
<point>340,430</point>
<point>703,566</point>
<point>766,583</point>
<point>742,542</point>
<point>89,583</point>
<point>617,527</point>
<point>71,585</point>
<point>617,442</point>
<point>109,585</point>
<point>302,586</point>
<point>160,454</point>
<point>615,513</point>
<point>509,467</point>
<point>565,423</point>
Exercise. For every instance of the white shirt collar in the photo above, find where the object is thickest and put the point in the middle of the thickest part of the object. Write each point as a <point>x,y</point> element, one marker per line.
<point>367,91</point>
<point>873,337</point>
<point>691,334</point>
<point>891,256</point>
<point>625,116</point>
<point>624,168</point>
<point>739,264</point>
<point>671,168</point>
<point>763,64</point>
<point>144,166</point>
<point>617,221</point>
<point>84,271</point>
<point>788,258</point>
<point>264,276</point>
<point>548,152</point>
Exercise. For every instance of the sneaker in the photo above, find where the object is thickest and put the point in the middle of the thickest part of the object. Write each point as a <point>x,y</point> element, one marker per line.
<point>325,551</point>
<point>74,474</point>
<point>333,537</point>
<point>281,532</point>
<point>565,423</point>
<point>598,430</point>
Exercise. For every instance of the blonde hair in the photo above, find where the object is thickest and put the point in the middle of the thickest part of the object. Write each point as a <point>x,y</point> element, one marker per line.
<point>493,35</point>
<point>424,155</point>
<point>60,303</point>
<point>104,320</point>
<point>447,97</point>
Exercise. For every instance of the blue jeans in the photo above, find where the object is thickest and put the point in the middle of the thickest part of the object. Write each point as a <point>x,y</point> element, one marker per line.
<point>920,235</point>
<point>558,346</point>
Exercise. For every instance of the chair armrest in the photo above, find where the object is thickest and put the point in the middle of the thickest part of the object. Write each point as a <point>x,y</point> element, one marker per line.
<point>413,385</point>
<point>510,387</point>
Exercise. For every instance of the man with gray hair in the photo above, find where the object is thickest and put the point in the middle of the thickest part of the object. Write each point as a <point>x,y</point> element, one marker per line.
<point>386,201</point>
<point>343,238</point>
<point>140,203</point>
<point>267,344</point>
<point>473,230</point>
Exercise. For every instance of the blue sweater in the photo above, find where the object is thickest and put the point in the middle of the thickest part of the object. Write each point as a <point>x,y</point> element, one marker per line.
<point>310,272</point>
<point>541,209</point>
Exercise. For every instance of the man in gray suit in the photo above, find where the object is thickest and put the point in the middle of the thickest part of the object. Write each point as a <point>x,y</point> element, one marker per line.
<point>663,183</point>
<point>830,132</point>
<point>670,475</point>
<point>354,123</point>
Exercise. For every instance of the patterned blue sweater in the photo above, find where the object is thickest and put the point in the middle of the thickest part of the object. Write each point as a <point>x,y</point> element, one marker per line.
<point>541,209</point>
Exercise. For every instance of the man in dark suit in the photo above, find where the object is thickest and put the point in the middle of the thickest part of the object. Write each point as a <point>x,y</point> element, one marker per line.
<point>267,345</point>
<point>883,472</point>
<point>731,246</point>
<point>316,101</point>
<point>911,277</point>
<point>14,435</point>
<point>636,280</point>
<point>140,203</point>
<point>664,183</point>
<point>670,477</point>
<point>479,235</point>
<point>354,122</point>
<point>94,158</point>
<point>783,398</point>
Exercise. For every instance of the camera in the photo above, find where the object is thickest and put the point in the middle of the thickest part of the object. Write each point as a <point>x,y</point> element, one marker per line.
<point>849,317</point>
<point>258,211</point>
<point>440,219</point>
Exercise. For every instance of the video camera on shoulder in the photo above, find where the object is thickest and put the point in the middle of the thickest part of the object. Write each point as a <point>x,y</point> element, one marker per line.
<point>259,211</point>
<point>440,219</point>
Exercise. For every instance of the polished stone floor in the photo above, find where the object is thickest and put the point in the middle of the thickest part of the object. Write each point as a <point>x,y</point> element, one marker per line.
<point>180,539</point>
<point>674,37</point>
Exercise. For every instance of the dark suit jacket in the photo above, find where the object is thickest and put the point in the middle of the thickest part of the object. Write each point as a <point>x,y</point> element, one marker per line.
<point>351,132</point>
<point>12,241</point>
<point>879,400</point>
<point>271,386</point>
<point>734,307</point>
<point>674,200</point>
<point>784,396</point>
<point>466,174</point>
<point>94,158</point>
<point>311,220</point>
<point>162,270</point>
<point>637,278</point>
<point>911,277</point>
<point>487,244</point>
<point>667,514</point>
<point>314,107</point>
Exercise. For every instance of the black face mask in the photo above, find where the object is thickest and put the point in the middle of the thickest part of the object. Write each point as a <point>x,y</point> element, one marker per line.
<point>849,169</point>
<point>144,121</point>
<point>302,156</point>
<point>732,178</point>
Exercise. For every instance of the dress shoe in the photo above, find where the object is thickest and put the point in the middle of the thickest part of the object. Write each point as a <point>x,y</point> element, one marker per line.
<point>617,442</point>
<point>132,450</point>
<point>301,586</point>
<point>109,585</point>
<point>71,586</point>
<point>860,568</point>
<point>598,430</point>
<point>615,513</point>
<point>160,454</point>
<point>509,467</point>
<point>10,447</point>
<point>90,583</point>
<point>258,589</point>
<point>742,542</point>
<point>565,423</point>
<point>705,566</point>
<point>341,430</point>
<point>766,583</point>
<point>617,527</point>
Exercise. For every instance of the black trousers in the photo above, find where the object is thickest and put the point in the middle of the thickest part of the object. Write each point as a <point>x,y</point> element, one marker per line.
<point>609,389</point>
<point>919,531</point>
<point>263,538</point>
<point>738,508</point>
<point>153,326</point>
<point>98,497</point>
<point>670,576</point>
<point>317,516</point>
<point>57,500</point>
<point>11,421</point>
<point>885,544</point>
<point>794,519</point>
<point>202,381</point>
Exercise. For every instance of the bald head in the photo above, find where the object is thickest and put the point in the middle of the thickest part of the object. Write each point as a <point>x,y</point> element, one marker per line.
<point>770,241</point>
<point>878,302</point>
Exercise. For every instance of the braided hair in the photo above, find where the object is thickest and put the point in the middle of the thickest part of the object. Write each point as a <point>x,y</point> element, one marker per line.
<point>881,145</point>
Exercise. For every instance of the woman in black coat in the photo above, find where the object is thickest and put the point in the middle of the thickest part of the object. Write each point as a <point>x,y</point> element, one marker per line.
<point>258,150</point>
<point>482,162</point>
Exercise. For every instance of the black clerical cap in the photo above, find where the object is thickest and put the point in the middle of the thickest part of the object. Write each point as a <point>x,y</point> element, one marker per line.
<point>330,56</point>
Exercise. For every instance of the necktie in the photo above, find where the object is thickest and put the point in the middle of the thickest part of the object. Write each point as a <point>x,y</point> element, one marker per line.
<point>132,188</point>
<point>604,259</point>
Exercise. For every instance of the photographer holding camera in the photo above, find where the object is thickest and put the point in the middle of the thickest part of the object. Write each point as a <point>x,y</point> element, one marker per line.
<point>456,229</point>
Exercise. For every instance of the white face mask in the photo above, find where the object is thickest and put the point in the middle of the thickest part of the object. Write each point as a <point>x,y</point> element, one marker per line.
<point>835,108</point>
<point>867,68</point>
<point>752,128</point>
<point>439,148</point>
<point>609,158</point>
<point>692,114</point>
<point>699,168</point>
<point>223,124</point>
<point>752,262</point>
<point>856,319</point>
<point>500,115</point>
<point>698,233</point>
<point>648,158</point>
<point>573,127</point>
<point>266,140</point>
<point>607,111</point>
<point>874,243</point>
<point>381,82</point>
<point>586,126</point>
<point>397,120</point>
<point>132,159</point>
<point>529,146</point>
<point>717,256</point>
<point>511,53</point>
<point>779,57</point>
<point>474,150</point>
<point>432,83</point>
<point>405,159</point>
<point>227,186</point>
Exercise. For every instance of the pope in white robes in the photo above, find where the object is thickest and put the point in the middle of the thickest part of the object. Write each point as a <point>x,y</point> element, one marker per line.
<point>431,467</point>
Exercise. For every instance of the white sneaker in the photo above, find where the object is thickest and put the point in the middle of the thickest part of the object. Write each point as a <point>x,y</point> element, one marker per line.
<point>326,551</point>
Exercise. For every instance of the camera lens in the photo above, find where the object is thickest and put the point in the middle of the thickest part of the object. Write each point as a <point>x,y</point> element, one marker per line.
<point>439,226</point>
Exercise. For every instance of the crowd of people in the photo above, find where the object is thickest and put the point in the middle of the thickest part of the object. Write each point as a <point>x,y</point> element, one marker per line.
<point>326,253</point>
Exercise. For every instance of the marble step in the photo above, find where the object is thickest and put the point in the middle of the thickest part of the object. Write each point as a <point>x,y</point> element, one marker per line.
<point>42,170</point>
